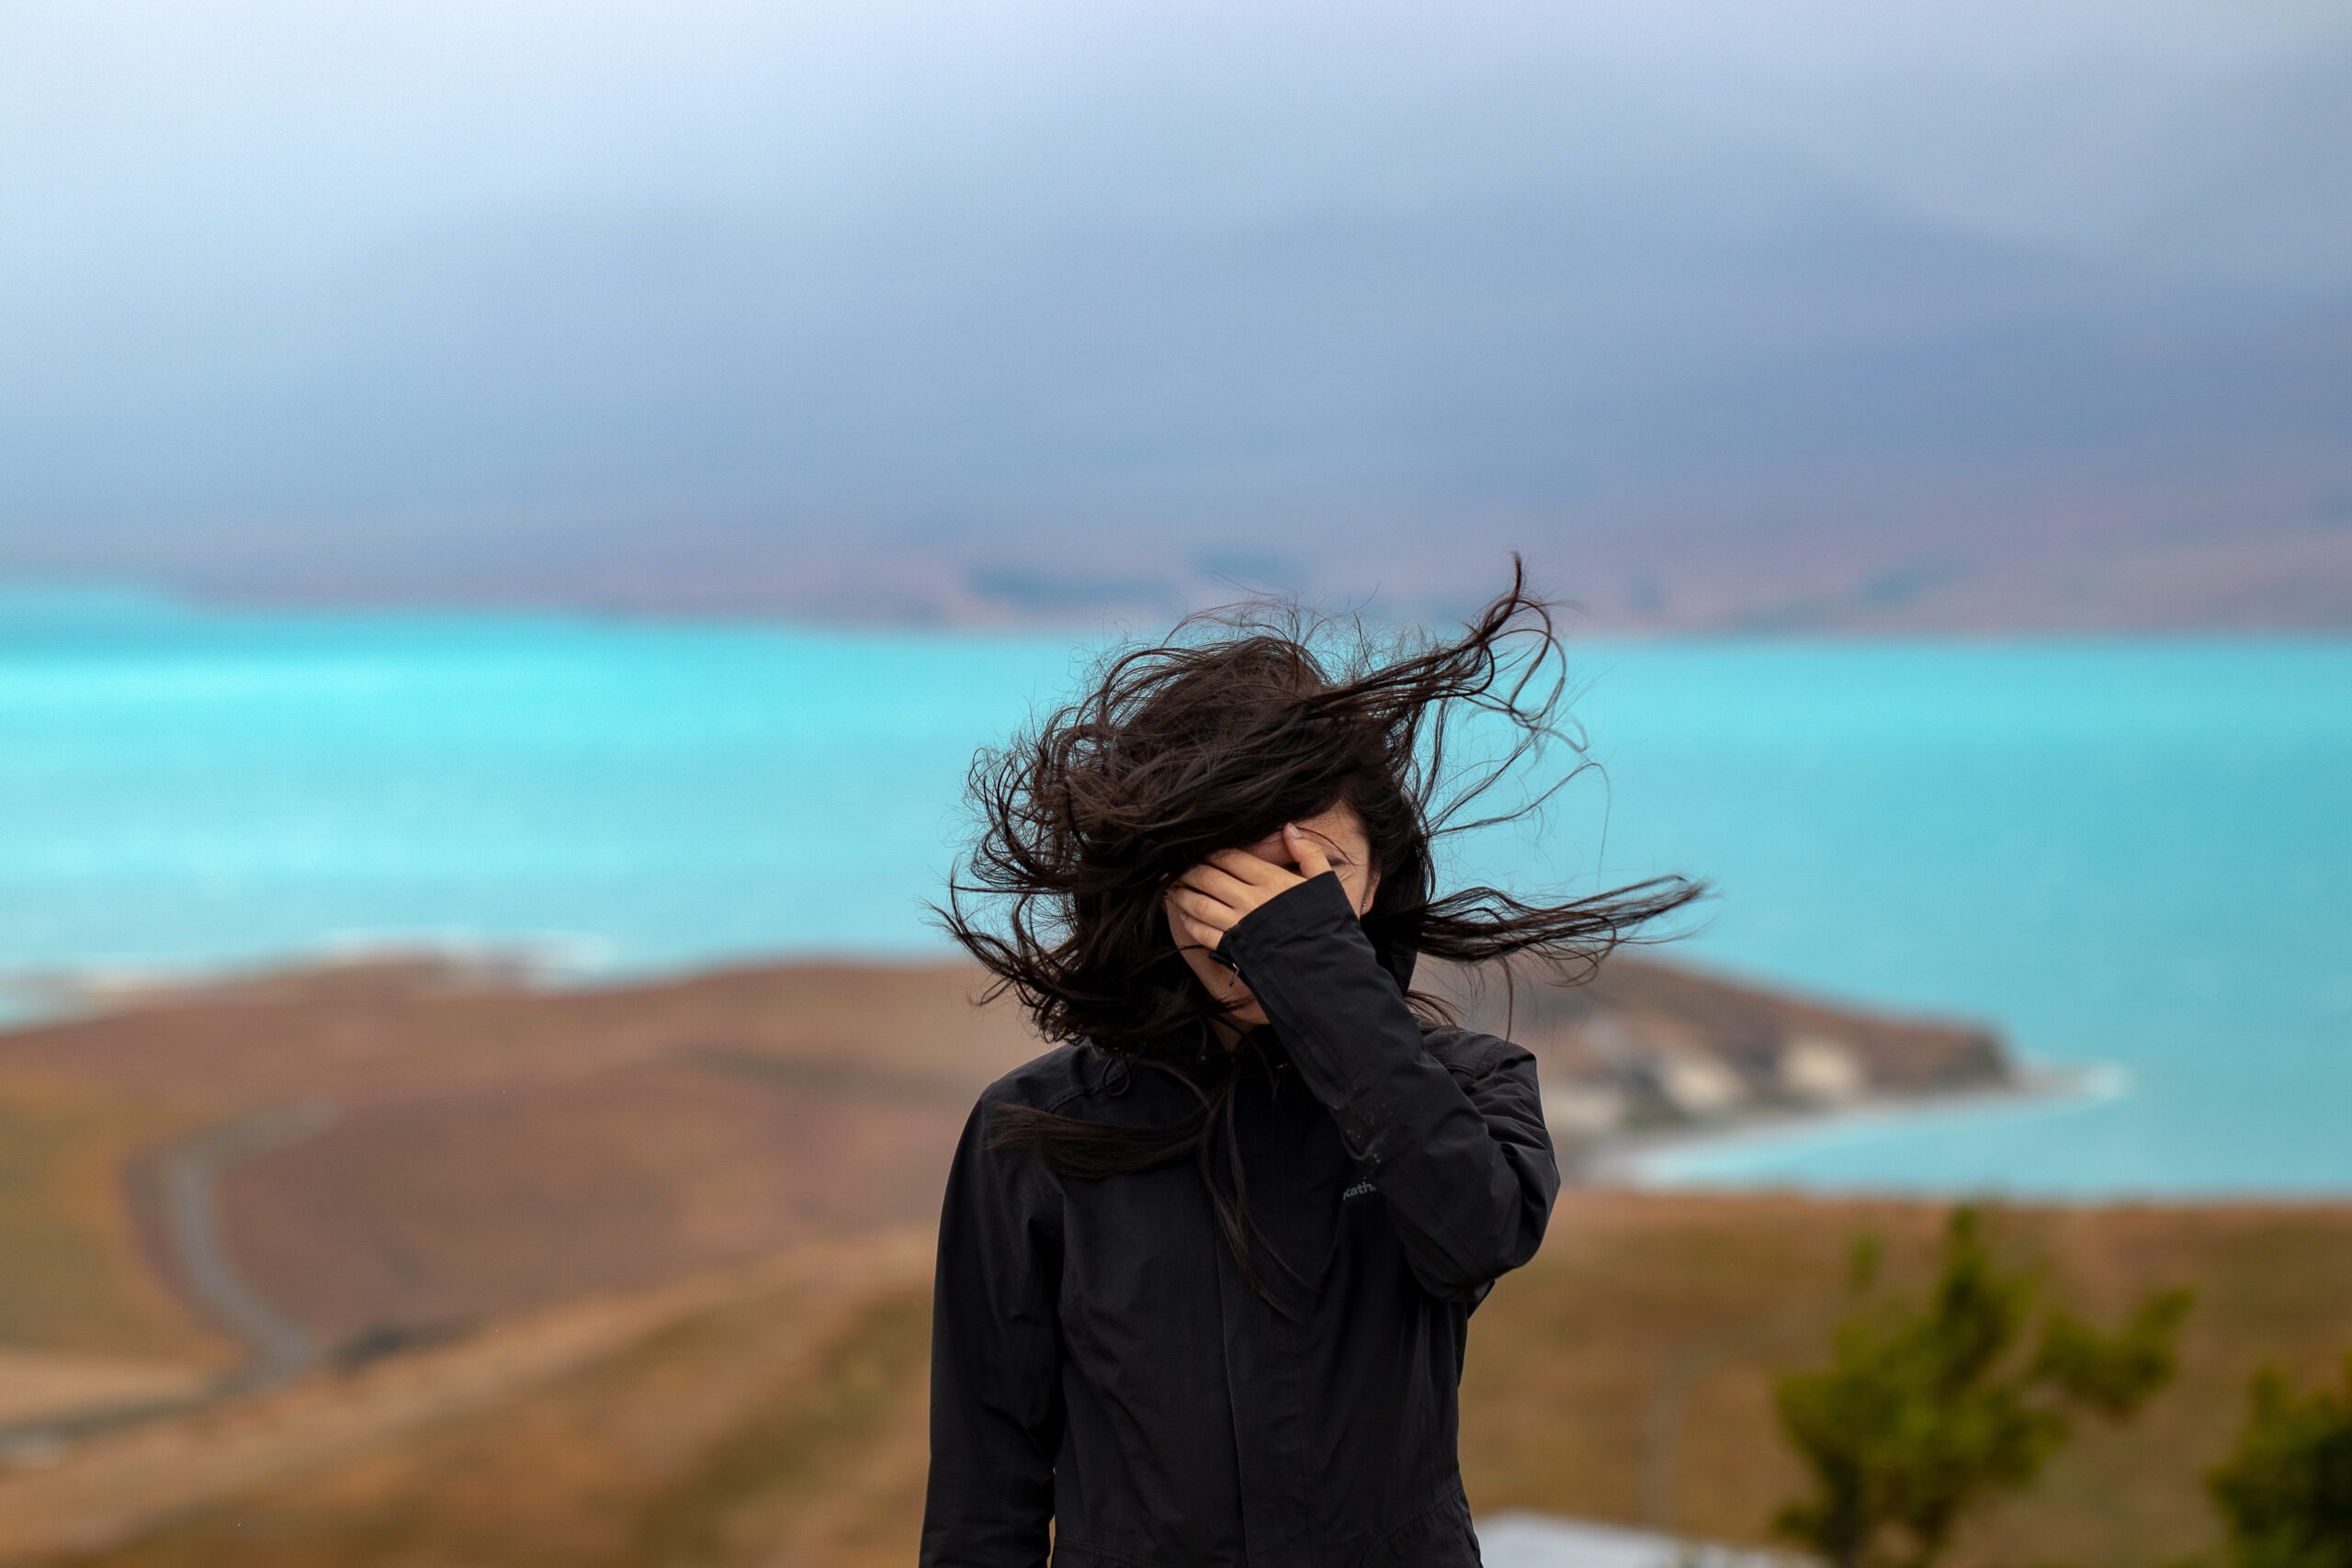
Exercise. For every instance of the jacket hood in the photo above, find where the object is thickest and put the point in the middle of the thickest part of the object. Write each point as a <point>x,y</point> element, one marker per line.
<point>1396,949</point>
<point>1396,955</point>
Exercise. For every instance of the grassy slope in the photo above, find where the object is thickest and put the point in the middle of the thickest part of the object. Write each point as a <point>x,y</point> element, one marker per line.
<point>780,1421</point>
<point>1624,1374</point>
<point>76,1279</point>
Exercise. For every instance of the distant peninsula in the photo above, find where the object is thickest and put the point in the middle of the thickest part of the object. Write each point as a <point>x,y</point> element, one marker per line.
<point>1644,1054</point>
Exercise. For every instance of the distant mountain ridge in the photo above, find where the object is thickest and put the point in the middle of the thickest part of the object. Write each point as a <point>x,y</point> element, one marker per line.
<point>1707,380</point>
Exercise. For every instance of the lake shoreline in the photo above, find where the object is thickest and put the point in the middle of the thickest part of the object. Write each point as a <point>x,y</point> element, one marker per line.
<point>1977,1075</point>
<point>1644,1159</point>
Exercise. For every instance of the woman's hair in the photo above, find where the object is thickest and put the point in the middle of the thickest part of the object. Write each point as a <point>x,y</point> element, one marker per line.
<point>1212,739</point>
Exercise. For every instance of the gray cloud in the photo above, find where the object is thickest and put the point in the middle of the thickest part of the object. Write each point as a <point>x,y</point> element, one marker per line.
<point>358,284</point>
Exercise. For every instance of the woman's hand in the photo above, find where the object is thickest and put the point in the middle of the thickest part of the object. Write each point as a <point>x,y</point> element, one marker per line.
<point>1209,899</point>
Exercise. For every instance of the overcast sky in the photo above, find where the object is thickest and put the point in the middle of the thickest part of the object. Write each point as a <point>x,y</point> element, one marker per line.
<point>300,277</point>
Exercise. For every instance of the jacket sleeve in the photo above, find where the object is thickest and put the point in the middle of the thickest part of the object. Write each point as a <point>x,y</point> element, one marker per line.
<point>1467,1166</point>
<point>996,1399</point>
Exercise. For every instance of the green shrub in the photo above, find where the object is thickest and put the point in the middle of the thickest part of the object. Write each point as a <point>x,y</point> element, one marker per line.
<point>1927,1411</point>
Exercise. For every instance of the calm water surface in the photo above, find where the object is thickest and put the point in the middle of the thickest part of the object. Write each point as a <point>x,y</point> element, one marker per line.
<point>2128,852</point>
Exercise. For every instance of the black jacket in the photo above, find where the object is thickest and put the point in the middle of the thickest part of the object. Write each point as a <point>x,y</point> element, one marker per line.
<point>1097,1359</point>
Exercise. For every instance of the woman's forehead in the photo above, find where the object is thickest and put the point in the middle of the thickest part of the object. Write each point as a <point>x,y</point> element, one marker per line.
<point>1336,830</point>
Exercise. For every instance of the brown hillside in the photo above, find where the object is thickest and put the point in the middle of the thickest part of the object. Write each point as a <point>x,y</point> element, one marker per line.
<point>772,1412</point>
<point>485,1147</point>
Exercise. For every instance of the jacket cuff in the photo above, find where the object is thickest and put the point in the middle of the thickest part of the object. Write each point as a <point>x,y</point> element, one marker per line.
<point>1305,954</point>
<point>1319,902</point>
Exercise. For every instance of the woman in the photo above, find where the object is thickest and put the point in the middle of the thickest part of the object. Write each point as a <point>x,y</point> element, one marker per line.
<point>1206,1267</point>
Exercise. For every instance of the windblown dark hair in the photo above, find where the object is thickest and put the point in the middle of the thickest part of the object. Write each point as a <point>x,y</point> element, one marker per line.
<point>1212,739</point>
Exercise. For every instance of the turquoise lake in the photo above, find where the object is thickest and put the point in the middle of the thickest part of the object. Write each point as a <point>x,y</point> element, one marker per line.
<point>2126,852</point>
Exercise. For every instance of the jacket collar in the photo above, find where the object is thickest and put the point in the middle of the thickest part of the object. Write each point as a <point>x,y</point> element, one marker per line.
<point>1395,949</point>
<point>1397,954</point>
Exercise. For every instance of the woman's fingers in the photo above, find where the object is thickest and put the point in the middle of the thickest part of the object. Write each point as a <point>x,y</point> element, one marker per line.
<point>1306,851</point>
<point>1207,900</point>
<point>1190,932</point>
<point>1214,914</point>
<point>1230,883</point>
<point>1250,868</point>
<point>1221,885</point>
<point>1255,870</point>
<point>1200,936</point>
